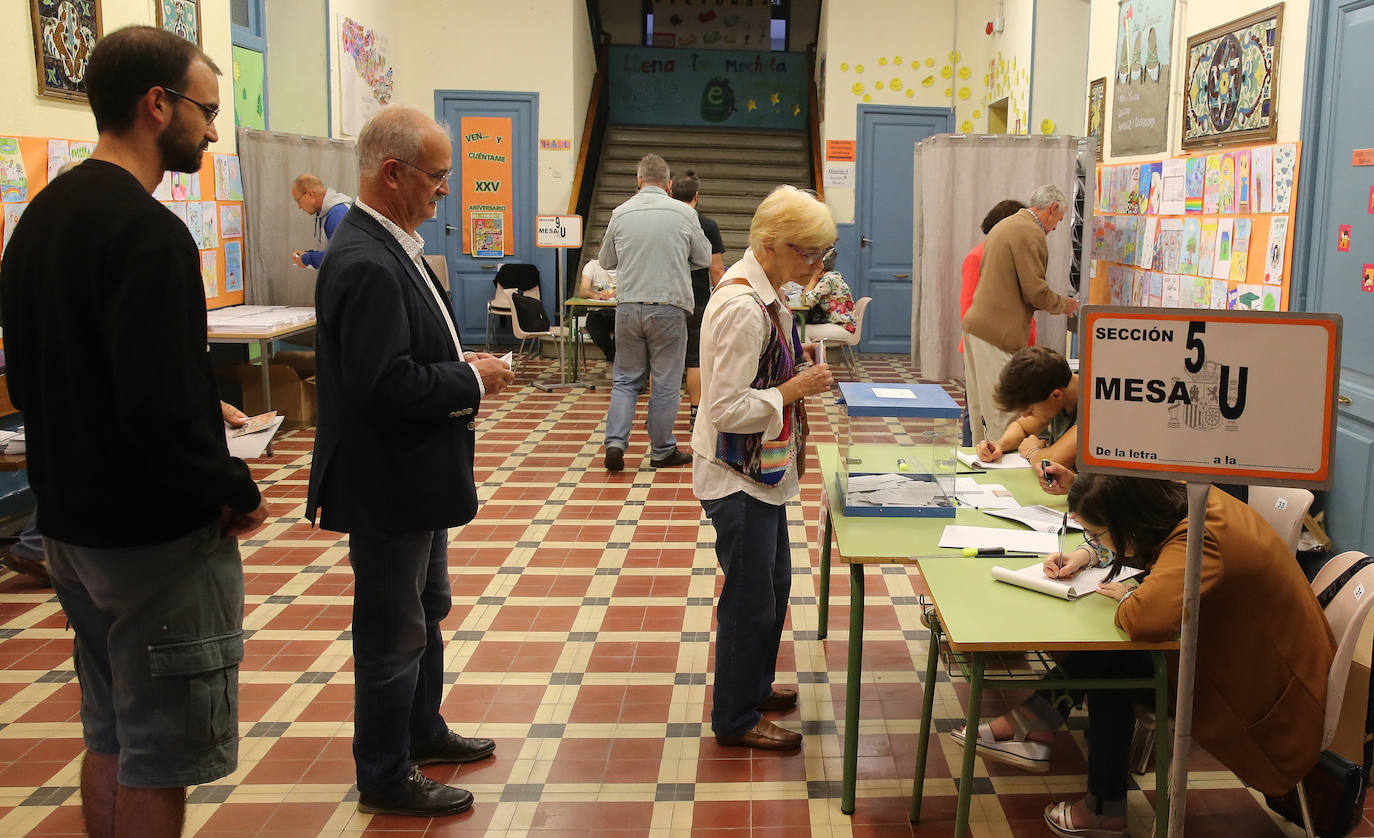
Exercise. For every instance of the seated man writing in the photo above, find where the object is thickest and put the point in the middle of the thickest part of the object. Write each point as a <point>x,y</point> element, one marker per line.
<point>1037,383</point>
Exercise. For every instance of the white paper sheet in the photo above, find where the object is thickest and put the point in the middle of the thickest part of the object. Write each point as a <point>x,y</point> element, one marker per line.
<point>248,446</point>
<point>1085,582</point>
<point>1020,541</point>
<point>1007,461</point>
<point>893,393</point>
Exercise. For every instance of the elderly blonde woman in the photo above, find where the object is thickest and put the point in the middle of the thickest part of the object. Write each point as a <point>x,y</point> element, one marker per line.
<point>747,453</point>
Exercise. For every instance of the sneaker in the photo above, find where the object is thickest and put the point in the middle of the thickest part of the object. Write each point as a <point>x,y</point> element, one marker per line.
<point>615,459</point>
<point>677,458</point>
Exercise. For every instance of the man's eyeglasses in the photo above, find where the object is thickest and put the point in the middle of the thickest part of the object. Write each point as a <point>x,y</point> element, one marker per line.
<point>208,112</point>
<point>437,177</point>
<point>812,256</point>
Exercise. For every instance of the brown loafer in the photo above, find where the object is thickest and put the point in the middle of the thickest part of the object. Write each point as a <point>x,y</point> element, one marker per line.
<point>30,567</point>
<point>780,699</point>
<point>765,736</point>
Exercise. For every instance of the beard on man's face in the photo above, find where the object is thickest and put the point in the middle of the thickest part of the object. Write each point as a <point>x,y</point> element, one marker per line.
<point>180,149</point>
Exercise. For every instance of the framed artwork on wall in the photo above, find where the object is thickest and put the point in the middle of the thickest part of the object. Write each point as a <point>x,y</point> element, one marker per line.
<point>1230,92</point>
<point>64,33</point>
<point>180,17</point>
<point>1097,109</point>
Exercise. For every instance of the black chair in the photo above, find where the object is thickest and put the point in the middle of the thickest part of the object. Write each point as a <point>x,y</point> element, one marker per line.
<point>510,278</point>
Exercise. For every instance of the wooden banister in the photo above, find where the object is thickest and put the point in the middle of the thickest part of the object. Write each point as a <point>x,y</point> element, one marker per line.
<point>814,130</point>
<point>589,128</point>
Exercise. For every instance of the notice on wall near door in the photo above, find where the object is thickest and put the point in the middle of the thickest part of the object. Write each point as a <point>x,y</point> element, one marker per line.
<point>484,154</point>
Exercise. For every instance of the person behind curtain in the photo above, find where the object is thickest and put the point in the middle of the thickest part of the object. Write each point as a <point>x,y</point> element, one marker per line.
<point>327,207</point>
<point>748,448</point>
<point>1260,694</point>
<point>392,466</point>
<point>1011,287</point>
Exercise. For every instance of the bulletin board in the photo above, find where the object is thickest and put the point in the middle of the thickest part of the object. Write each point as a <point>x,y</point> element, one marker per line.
<point>1197,231</point>
<point>209,202</point>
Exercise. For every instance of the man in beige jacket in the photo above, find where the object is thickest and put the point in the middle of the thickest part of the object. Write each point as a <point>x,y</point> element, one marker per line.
<point>1011,286</point>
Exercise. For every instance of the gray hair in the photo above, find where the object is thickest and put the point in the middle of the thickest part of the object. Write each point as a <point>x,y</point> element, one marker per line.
<point>394,132</point>
<point>653,169</point>
<point>1046,195</point>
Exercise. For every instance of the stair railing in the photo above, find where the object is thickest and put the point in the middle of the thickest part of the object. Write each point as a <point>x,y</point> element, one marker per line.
<point>813,134</point>
<point>589,156</point>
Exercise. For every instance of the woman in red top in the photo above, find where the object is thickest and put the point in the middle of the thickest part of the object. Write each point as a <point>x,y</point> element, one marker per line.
<point>973,262</point>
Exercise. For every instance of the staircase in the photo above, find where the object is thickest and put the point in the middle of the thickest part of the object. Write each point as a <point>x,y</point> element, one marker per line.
<point>736,168</point>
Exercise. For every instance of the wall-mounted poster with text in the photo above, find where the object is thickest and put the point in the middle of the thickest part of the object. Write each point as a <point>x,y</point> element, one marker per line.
<point>1140,84</point>
<point>488,193</point>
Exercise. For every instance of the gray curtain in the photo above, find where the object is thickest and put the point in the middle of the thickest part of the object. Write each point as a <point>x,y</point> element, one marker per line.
<point>958,178</point>
<point>273,226</point>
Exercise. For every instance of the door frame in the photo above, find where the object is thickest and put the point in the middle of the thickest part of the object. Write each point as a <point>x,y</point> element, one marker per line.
<point>525,168</point>
<point>864,178</point>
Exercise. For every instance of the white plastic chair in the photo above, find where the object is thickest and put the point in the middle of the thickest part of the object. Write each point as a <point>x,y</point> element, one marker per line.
<point>558,334</point>
<point>1284,509</point>
<point>500,306</point>
<point>836,335</point>
<point>1346,612</point>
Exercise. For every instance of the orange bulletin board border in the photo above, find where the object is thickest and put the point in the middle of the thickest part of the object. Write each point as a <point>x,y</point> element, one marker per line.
<point>34,151</point>
<point>1099,289</point>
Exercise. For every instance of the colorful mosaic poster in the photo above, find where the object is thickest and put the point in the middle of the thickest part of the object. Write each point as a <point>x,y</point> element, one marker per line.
<point>1228,91</point>
<point>366,79</point>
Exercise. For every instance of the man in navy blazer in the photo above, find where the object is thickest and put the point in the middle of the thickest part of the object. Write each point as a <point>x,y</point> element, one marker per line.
<point>398,407</point>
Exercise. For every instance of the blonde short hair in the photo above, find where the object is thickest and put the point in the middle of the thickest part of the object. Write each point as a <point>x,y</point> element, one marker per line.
<point>794,216</point>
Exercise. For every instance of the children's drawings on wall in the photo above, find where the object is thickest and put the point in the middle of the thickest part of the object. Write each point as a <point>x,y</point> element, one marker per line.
<point>231,221</point>
<point>228,179</point>
<point>1285,157</point>
<point>233,266</point>
<point>1273,251</point>
<point>185,186</point>
<point>13,209</point>
<point>209,221</point>
<point>195,223</point>
<point>14,181</point>
<point>209,272</point>
<point>1262,179</point>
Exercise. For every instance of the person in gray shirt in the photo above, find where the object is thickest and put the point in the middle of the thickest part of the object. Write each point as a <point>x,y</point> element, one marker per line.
<point>653,242</point>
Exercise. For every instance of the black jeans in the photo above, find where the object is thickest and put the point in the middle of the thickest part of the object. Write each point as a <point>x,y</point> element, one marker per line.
<point>400,593</point>
<point>756,557</point>
<point>600,325</point>
<point>1111,720</point>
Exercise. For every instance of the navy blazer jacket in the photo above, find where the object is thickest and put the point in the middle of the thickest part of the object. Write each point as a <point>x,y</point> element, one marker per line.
<point>397,407</point>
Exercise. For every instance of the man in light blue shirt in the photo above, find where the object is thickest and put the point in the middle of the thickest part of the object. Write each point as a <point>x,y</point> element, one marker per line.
<point>653,242</point>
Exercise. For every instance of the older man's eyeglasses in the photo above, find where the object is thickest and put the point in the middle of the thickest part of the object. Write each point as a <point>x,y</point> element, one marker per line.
<point>208,112</point>
<point>812,256</point>
<point>437,177</point>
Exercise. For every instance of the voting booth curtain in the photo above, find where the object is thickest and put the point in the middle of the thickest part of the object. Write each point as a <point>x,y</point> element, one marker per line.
<point>958,178</point>
<point>273,225</point>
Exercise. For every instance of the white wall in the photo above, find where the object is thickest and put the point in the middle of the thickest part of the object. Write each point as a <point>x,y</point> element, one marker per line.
<point>1059,77</point>
<point>23,113</point>
<point>1009,63</point>
<point>880,52</point>
<point>297,63</point>
<point>1192,17</point>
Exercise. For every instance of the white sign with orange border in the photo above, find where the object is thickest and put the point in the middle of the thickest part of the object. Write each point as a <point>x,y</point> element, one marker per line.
<point>558,231</point>
<point>1217,396</point>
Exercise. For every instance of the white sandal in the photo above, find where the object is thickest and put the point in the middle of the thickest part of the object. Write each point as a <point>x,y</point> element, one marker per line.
<point>1017,751</point>
<point>1060,822</point>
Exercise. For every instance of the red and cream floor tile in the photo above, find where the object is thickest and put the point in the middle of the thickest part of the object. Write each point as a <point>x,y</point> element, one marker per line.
<point>580,639</point>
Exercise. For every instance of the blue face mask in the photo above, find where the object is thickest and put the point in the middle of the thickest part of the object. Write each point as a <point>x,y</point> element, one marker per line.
<point>1105,555</point>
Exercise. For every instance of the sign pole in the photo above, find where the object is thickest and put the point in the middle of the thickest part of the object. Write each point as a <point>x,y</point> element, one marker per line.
<point>1187,660</point>
<point>560,232</point>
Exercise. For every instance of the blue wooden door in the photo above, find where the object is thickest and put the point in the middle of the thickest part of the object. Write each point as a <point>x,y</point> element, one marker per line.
<point>470,278</point>
<point>1337,120</point>
<point>883,195</point>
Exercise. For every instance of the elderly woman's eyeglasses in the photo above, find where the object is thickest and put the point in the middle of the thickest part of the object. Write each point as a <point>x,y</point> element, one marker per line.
<point>812,256</point>
<point>208,112</point>
<point>437,177</point>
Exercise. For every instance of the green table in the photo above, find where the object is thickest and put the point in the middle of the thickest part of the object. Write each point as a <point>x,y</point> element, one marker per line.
<point>577,306</point>
<point>979,617</point>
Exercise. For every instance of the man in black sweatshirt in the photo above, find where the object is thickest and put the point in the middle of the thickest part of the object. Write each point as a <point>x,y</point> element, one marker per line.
<point>139,501</point>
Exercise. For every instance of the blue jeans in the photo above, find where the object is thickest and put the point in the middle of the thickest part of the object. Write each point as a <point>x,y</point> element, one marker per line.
<point>401,592</point>
<point>648,338</point>
<point>755,555</point>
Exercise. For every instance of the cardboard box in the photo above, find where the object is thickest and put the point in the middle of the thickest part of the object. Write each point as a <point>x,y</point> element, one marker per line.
<point>292,395</point>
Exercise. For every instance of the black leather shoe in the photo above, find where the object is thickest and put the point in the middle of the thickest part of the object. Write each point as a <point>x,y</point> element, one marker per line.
<point>677,458</point>
<point>417,796</point>
<point>452,748</point>
<point>615,459</point>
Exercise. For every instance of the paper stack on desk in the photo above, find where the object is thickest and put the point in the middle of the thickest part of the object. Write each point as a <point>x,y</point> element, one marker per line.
<point>1084,582</point>
<point>257,318</point>
<point>1039,518</point>
<point>1007,461</point>
<point>13,442</point>
<point>1014,541</point>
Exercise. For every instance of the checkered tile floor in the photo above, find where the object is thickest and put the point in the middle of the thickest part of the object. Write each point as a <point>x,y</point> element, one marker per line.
<point>580,639</point>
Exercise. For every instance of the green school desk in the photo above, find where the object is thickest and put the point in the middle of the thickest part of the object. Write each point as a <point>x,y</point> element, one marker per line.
<point>979,617</point>
<point>576,307</point>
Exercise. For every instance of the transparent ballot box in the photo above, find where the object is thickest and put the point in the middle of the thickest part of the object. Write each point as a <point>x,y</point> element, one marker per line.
<point>897,444</point>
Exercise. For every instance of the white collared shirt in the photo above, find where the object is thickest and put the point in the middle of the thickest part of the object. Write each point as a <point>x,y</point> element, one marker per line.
<point>414,247</point>
<point>734,334</point>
